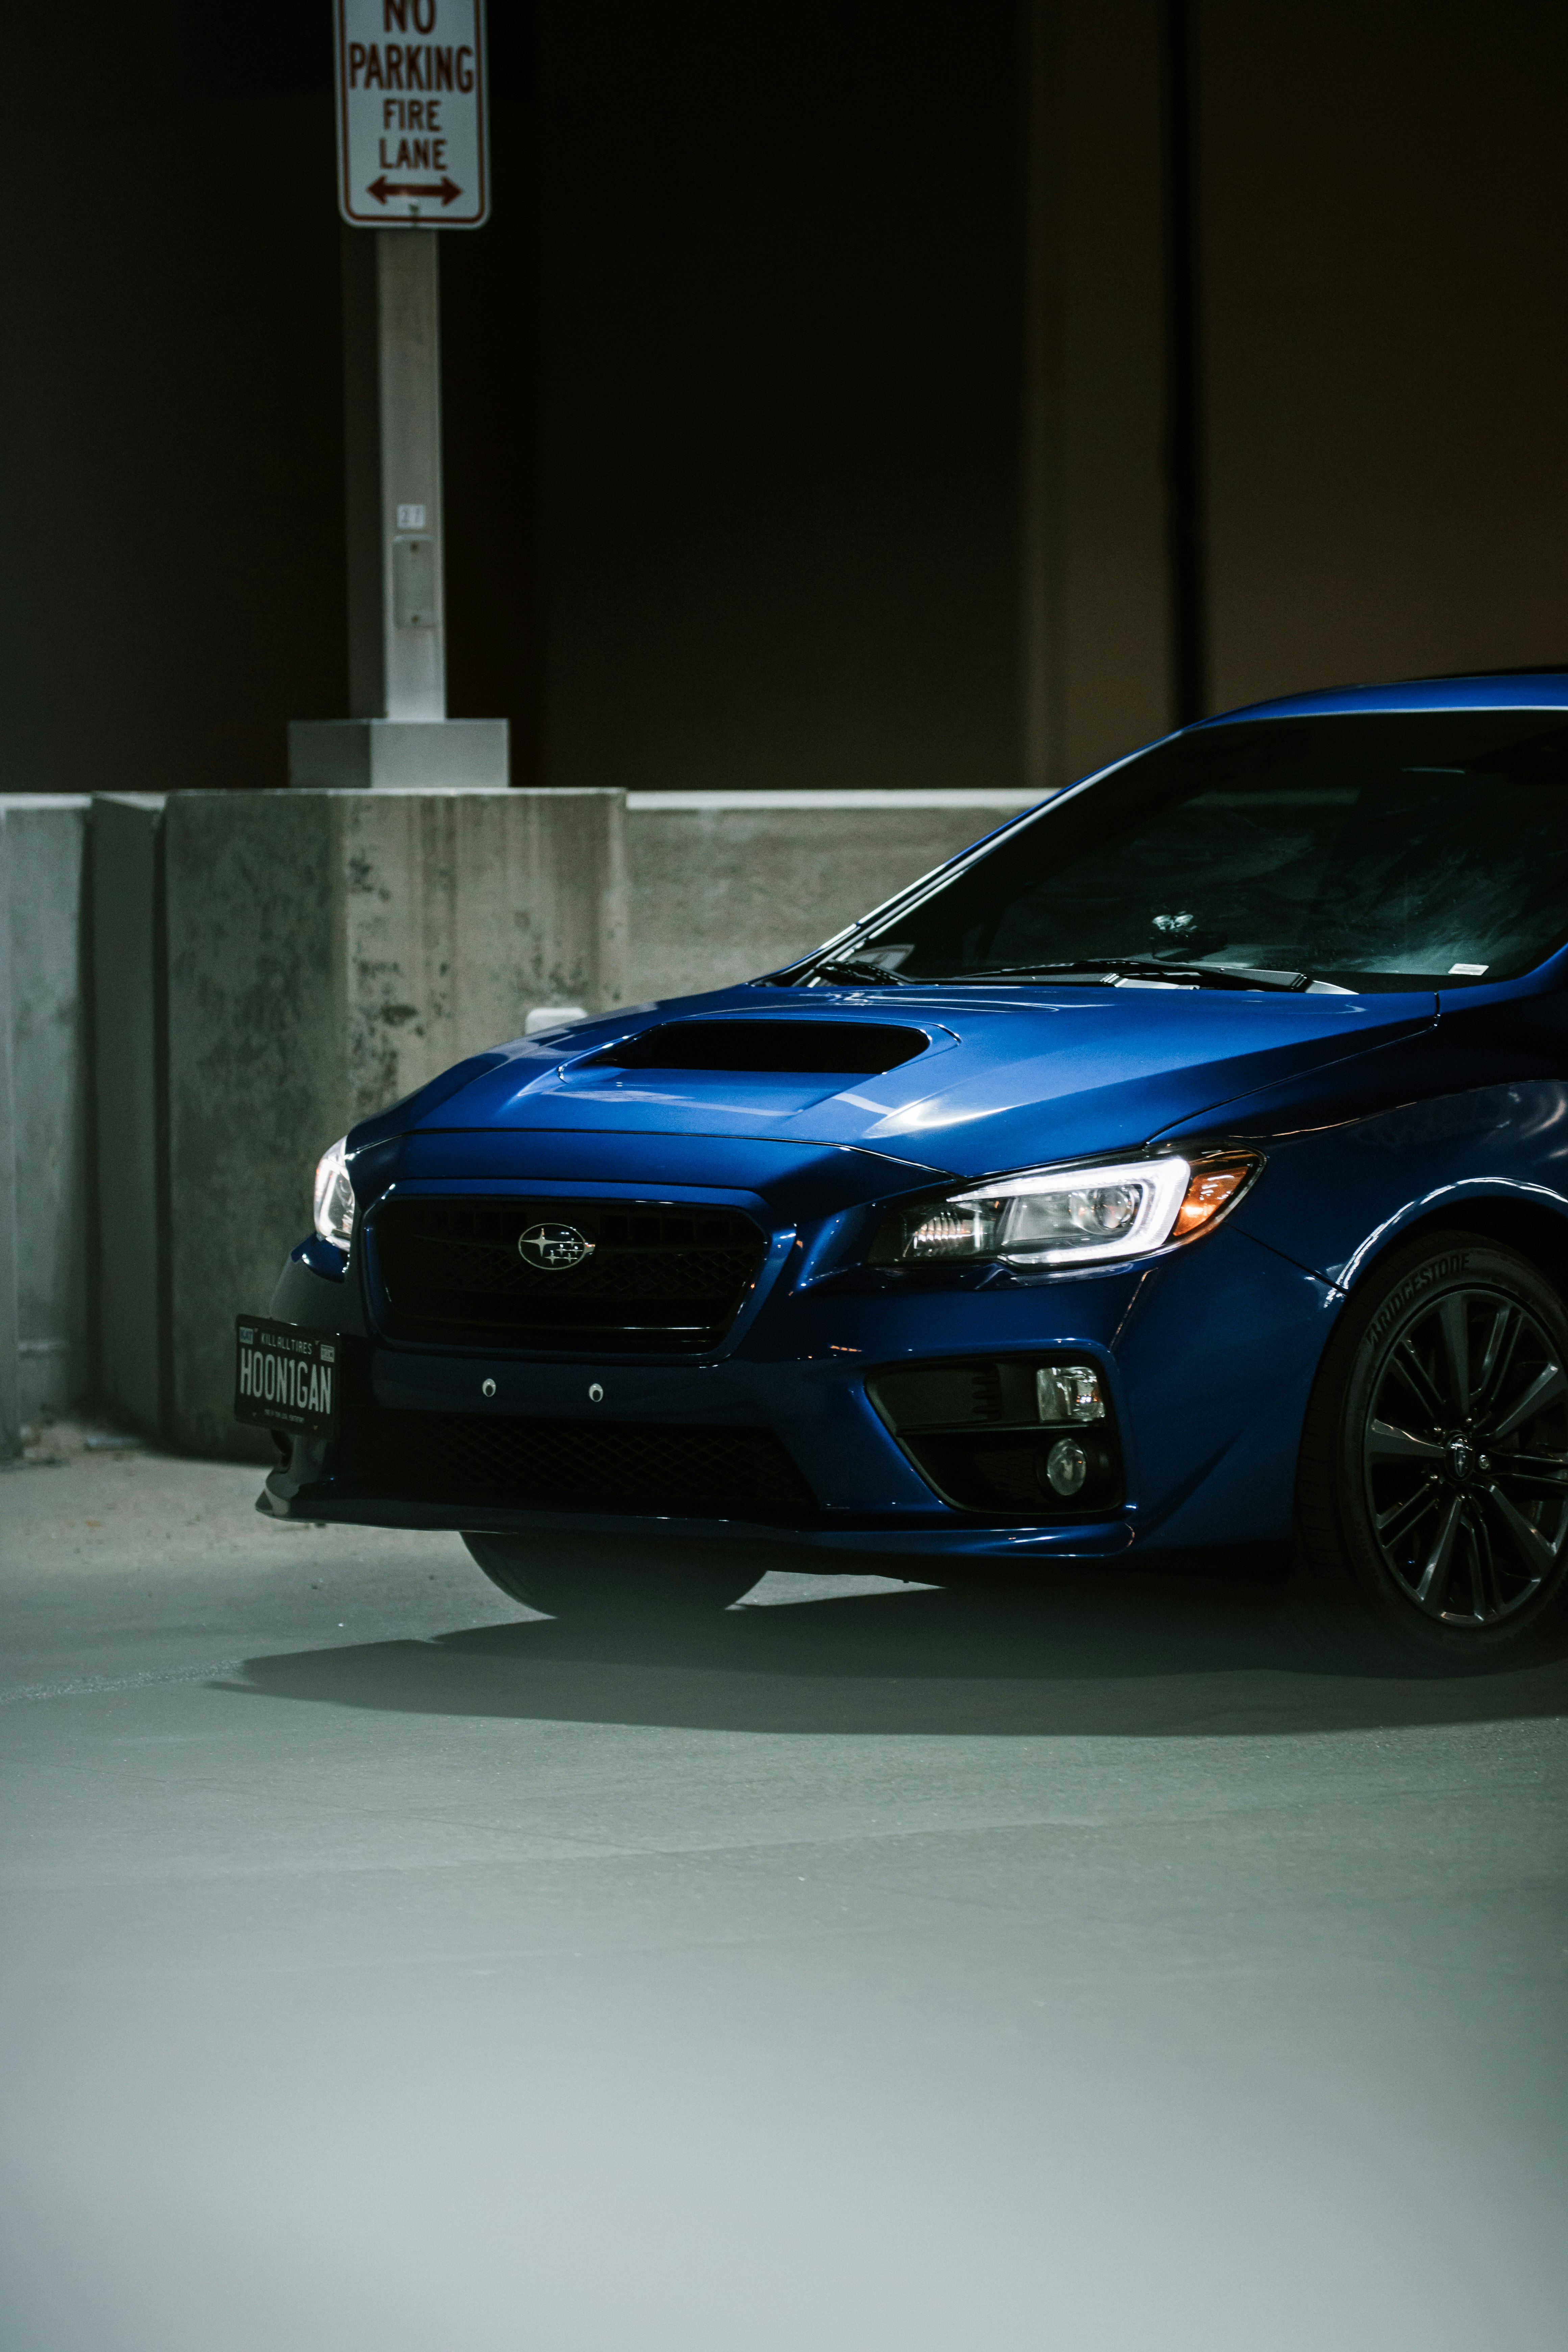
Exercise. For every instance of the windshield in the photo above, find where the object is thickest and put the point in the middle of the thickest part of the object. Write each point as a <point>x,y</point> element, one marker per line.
<point>1365,852</point>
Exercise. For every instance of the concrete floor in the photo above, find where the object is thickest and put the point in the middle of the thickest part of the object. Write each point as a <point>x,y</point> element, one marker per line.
<point>869,1968</point>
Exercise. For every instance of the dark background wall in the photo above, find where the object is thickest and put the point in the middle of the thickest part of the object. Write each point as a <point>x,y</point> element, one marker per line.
<point>1384,271</point>
<point>173,402</point>
<point>738,399</point>
<point>729,382</point>
<point>779,271</point>
<point>171,426</point>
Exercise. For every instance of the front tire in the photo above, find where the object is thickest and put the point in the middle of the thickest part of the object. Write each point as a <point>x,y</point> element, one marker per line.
<point>603,1581</point>
<point>1432,1498</point>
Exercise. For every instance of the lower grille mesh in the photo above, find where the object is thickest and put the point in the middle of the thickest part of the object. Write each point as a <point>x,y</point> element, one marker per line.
<point>651,1469</point>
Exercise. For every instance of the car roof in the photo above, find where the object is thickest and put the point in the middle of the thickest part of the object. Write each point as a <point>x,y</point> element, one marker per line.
<point>1494,689</point>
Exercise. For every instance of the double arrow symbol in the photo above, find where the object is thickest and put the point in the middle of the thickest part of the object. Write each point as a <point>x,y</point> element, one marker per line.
<point>383,188</point>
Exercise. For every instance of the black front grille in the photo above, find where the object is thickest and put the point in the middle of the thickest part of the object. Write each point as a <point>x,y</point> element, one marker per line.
<point>648,1468</point>
<point>658,1278</point>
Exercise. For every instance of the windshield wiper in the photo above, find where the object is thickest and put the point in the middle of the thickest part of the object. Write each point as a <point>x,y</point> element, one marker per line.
<point>846,968</point>
<point>1190,975</point>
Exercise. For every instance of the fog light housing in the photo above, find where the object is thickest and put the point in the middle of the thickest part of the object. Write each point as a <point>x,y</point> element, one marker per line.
<point>1007,1436</point>
<point>1068,1392</point>
<point>1067,1467</point>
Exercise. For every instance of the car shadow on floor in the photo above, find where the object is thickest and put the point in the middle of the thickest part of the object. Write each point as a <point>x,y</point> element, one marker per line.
<point>1141,1656</point>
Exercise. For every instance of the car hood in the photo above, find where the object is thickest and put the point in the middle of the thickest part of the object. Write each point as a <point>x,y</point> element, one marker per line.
<point>1001,1079</point>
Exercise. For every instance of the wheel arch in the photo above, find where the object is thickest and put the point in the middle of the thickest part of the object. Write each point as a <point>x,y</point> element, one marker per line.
<point>1531,1225</point>
<point>1418,1571</point>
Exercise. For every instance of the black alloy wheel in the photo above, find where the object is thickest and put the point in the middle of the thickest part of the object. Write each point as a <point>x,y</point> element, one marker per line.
<point>1432,1506</point>
<point>1465,1456</point>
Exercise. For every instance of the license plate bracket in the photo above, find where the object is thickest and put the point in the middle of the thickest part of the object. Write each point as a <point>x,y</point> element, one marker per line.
<point>286,1376</point>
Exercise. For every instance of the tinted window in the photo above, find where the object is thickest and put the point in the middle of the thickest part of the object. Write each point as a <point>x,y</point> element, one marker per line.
<point>1374,852</point>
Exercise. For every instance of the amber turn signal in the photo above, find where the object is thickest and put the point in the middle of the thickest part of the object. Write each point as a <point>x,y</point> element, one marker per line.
<point>1216,1185</point>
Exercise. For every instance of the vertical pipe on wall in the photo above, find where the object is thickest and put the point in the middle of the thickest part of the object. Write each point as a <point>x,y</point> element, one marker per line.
<point>1044,684</point>
<point>1183,361</point>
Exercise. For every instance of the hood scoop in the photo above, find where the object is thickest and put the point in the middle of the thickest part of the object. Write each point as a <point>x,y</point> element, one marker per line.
<point>845,1048</point>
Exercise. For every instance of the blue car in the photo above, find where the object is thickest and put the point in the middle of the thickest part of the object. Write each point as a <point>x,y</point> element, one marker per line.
<point>1181,1170</point>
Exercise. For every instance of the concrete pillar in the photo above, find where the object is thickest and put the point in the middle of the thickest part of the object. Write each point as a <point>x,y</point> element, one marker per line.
<point>728,884</point>
<point>45,1298</point>
<point>273,967</point>
<point>1097,646</point>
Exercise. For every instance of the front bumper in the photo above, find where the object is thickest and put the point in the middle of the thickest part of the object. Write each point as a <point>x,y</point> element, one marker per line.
<point>1207,1355</point>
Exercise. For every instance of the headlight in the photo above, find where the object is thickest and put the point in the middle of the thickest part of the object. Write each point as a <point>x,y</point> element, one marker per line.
<point>1072,1216</point>
<point>334,1196</point>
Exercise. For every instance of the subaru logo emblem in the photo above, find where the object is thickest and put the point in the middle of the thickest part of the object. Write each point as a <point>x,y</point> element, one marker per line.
<point>553,1247</point>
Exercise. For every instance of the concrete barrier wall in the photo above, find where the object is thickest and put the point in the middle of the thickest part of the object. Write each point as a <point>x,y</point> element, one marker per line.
<point>268,967</point>
<point>272,967</point>
<point>728,884</point>
<point>46,1224</point>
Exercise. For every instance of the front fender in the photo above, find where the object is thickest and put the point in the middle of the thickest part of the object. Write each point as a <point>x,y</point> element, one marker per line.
<point>1334,1196</point>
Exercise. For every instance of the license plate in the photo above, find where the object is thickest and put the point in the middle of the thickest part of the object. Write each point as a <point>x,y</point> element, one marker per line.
<point>285,1377</point>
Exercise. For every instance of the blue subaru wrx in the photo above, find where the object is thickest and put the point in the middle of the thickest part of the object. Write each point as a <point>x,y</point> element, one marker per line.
<point>1184,1168</point>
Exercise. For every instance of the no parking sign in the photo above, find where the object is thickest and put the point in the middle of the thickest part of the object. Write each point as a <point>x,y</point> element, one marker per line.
<point>413,135</point>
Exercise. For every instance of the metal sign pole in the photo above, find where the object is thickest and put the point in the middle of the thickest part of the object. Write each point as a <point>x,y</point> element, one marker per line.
<point>413,158</point>
<point>412,582</point>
